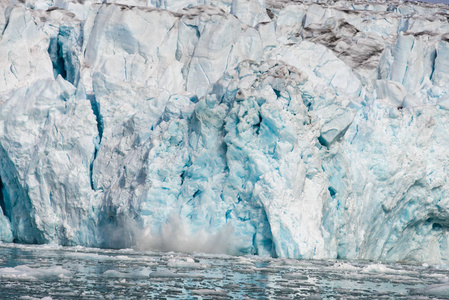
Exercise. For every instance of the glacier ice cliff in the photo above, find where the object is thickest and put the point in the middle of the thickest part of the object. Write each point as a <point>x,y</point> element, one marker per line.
<point>301,129</point>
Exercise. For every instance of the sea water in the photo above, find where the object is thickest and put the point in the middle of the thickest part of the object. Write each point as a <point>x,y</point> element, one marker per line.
<point>55,272</point>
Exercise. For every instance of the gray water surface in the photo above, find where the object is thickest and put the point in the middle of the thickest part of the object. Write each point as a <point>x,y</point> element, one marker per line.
<point>35,272</point>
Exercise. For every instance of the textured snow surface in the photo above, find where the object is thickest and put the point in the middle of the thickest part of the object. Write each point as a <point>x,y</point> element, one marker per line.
<point>284,128</point>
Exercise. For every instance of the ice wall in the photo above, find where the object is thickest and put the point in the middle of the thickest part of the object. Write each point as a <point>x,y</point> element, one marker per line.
<point>291,129</point>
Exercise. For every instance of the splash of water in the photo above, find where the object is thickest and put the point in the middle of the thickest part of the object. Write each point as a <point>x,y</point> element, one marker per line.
<point>174,236</point>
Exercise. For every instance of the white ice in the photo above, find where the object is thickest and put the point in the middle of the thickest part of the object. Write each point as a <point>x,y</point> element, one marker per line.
<point>302,130</point>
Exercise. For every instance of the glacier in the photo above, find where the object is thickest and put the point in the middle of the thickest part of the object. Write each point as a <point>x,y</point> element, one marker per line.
<point>297,129</point>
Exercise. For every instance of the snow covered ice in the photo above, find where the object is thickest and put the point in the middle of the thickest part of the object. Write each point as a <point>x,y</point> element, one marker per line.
<point>314,129</point>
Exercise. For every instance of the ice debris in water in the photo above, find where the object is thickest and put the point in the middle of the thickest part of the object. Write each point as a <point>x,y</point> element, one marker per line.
<point>346,266</point>
<point>185,262</point>
<point>226,276</point>
<point>302,130</point>
<point>29,273</point>
<point>437,290</point>
<point>379,268</point>
<point>162,274</point>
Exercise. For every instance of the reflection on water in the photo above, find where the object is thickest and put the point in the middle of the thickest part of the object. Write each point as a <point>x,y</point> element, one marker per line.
<point>28,272</point>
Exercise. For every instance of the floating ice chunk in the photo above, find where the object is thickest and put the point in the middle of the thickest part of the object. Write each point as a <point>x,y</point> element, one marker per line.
<point>436,290</point>
<point>25,272</point>
<point>115,273</point>
<point>33,298</point>
<point>380,268</point>
<point>243,261</point>
<point>296,276</point>
<point>135,274</point>
<point>163,274</point>
<point>185,262</point>
<point>346,266</point>
<point>209,292</point>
